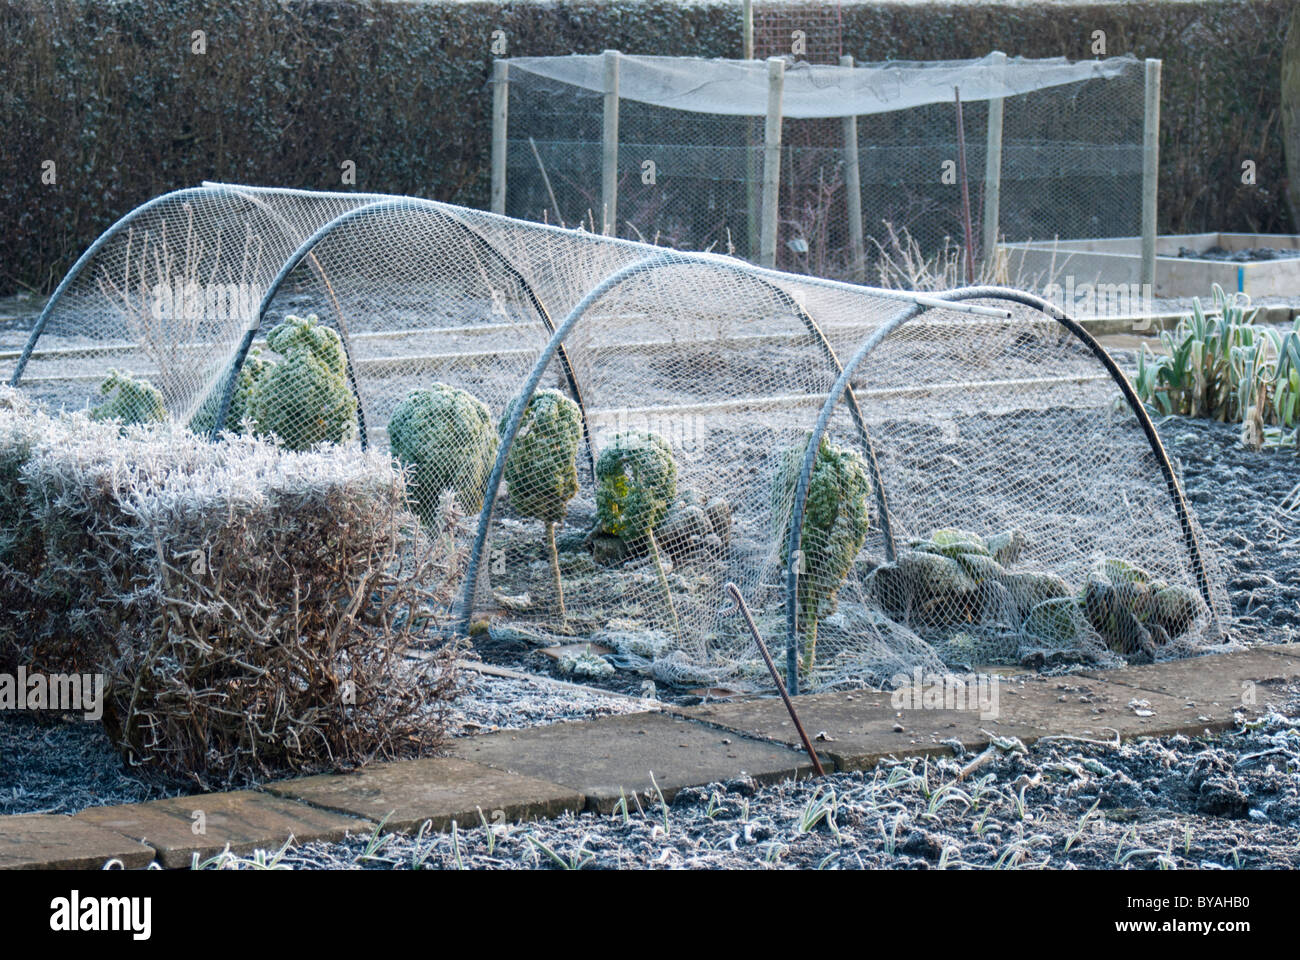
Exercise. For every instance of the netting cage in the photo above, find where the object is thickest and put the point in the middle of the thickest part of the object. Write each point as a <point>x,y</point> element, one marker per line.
<point>610,432</point>
<point>864,164</point>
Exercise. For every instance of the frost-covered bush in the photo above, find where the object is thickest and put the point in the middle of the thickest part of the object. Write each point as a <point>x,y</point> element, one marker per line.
<point>276,595</point>
<point>74,490</point>
<point>542,468</point>
<point>23,429</point>
<point>249,606</point>
<point>445,439</point>
<point>304,398</point>
<point>129,400</point>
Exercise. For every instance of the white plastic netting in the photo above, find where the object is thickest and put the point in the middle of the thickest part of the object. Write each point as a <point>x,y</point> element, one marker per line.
<point>170,291</point>
<point>690,164</point>
<point>984,494</point>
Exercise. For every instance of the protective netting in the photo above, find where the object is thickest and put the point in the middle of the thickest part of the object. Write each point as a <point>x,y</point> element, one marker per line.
<point>608,432</point>
<point>168,294</point>
<point>690,164</point>
<point>1057,552</point>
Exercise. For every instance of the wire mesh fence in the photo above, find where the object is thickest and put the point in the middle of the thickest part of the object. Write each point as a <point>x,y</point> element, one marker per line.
<point>605,432</point>
<point>1051,151</point>
<point>811,31</point>
<point>164,294</point>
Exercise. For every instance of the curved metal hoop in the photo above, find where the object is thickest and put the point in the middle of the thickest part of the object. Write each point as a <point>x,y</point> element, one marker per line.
<point>307,248</point>
<point>979,293</point>
<point>206,190</point>
<point>647,265</point>
<point>73,272</point>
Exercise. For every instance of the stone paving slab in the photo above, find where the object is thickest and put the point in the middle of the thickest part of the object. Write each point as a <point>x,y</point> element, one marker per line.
<point>39,841</point>
<point>1285,649</point>
<point>1239,680</point>
<point>613,756</point>
<point>859,726</point>
<point>243,820</point>
<point>409,792</point>
<point>547,771</point>
<point>1079,705</point>
<point>861,729</point>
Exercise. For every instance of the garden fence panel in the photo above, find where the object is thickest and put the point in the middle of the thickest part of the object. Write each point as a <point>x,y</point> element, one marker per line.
<point>691,142</point>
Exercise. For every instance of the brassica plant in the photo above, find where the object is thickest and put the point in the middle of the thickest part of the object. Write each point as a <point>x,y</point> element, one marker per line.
<point>636,483</point>
<point>445,439</point>
<point>837,517</point>
<point>305,398</point>
<point>542,468</point>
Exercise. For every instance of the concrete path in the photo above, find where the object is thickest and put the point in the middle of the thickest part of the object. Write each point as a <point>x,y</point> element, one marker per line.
<point>597,764</point>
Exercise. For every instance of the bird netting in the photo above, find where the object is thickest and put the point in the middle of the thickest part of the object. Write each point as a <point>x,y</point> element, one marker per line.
<point>166,294</point>
<point>607,432</point>
<point>925,540</point>
<point>690,158</point>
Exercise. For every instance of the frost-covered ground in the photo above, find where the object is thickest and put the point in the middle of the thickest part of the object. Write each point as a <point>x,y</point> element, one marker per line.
<point>50,764</point>
<point>1248,504</point>
<point>1231,802</point>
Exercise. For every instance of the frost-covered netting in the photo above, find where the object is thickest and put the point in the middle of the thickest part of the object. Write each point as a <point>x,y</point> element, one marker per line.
<point>695,376</point>
<point>168,293</point>
<point>664,405</point>
<point>691,143</point>
<point>811,90</point>
<point>1028,512</point>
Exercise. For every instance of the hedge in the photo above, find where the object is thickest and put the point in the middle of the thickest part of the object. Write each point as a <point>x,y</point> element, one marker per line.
<point>285,93</point>
<point>250,608</point>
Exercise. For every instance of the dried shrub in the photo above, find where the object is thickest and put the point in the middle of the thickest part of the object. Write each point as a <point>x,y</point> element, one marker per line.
<point>75,484</point>
<point>37,603</point>
<point>20,432</point>
<point>277,596</point>
<point>251,608</point>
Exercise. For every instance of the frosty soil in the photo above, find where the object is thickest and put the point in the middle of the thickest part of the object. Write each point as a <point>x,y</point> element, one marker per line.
<point>1170,803</point>
<point>1241,499</point>
<point>50,764</point>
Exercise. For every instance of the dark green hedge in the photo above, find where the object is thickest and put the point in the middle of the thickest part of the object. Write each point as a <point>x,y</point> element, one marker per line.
<point>287,91</point>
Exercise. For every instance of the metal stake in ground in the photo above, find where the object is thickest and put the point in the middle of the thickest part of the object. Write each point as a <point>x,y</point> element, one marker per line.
<point>734,590</point>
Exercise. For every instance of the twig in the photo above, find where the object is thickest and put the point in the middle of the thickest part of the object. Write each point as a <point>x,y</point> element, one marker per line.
<point>965,192</point>
<point>989,753</point>
<point>1113,744</point>
<point>546,180</point>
